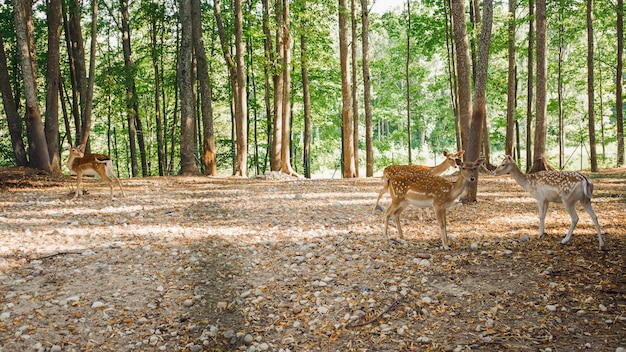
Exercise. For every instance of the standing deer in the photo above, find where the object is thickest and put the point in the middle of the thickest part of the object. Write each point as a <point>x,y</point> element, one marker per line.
<point>391,170</point>
<point>422,189</point>
<point>554,186</point>
<point>91,164</point>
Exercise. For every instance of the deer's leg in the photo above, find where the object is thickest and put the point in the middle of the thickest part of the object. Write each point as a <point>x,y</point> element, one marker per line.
<point>118,183</point>
<point>103,175</point>
<point>543,209</point>
<point>571,209</point>
<point>440,213</point>
<point>396,218</point>
<point>79,175</point>
<point>380,194</point>
<point>587,205</point>
<point>390,209</point>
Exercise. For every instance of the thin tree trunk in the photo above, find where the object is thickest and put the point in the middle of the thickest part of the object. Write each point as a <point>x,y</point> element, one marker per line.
<point>463,70</point>
<point>346,110</point>
<point>241,109</point>
<point>541,121</point>
<point>355,86</point>
<point>561,131</point>
<point>52,84</point>
<point>37,147</point>
<point>160,132</point>
<point>188,164</point>
<point>13,118</point>
<point>590,88</point>
<point>407,66</point>
<point>277,133</point>
<point>130,89</point>
<point>306,100</point>
<point>511,86</point>
<point>529,85</point>
<point>268,72</point>
<point>77,49</point>
<point>367,105</point>
<point>619,100</point>
<point>286,97</point>
<point>206,98</point>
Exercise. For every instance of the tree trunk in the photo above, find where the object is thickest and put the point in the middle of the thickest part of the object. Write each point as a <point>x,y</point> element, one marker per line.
<point>188,165</point>
<point>77,53</point>
<point>37,147</point>
<point>268,69</point>
<point>511,86</point>
<point>479,112</point>
<point>453,75</point>
<point>561,131</point>
<point>51,128</point>
<point>277,133</point>
<point>13,118</point>
<point>529,92</point>
<point>367,105</point>
<point>407,66</point>
<point>590,88</point>
<point>619,100</point>
<point>463,70</point>
<point>130,89</point>
<point>160,132</point>
<point>306,100</point>
<point>286,97</point>
<point>355,87</point>
<point>88,101</point>
<point>541,121</point>
<point>241,109</point>
<point>206,98</point>
<point>346,110</point>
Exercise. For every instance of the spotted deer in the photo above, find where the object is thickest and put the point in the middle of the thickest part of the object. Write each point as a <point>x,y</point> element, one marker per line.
<point>422,189</point>
<point>81,164</point>
<point>448,162</point>
<point>565,187</point>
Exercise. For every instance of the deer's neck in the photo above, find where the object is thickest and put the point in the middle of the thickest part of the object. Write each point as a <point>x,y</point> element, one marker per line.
<point>441,168</point>
<point>520,177</point>
<point>457,188</point>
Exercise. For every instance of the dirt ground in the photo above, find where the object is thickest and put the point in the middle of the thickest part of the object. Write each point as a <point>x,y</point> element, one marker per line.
<point>231,264</point>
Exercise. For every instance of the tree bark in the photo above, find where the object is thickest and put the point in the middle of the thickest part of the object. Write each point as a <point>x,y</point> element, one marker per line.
<point>131,97</point>
<point>77,52</point>
<point>188,165</point>
<point>286,96</point>
<point>407,66</point>
<point>463,70</point>
<point>511,86</point>
<point>355,86</point>
<point>277,132</point>
<point>306,100</point>
<point>541,122</point>
<point>268,69</point>
<point>590,88</point>
<point>86,112</point>
<point>206,98</point>
<point>367,105</point>
<point>52,84</point>
<point>37,148</point>
<point>241,109</point>
<point>619,100</point>
<point>529,85</point>
<point>160,126</point>
<point>346,110</point>
<point>13,118</point>
<point>479,112</point>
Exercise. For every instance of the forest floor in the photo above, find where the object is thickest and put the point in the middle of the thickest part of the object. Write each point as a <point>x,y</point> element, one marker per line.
<point>232,264</point>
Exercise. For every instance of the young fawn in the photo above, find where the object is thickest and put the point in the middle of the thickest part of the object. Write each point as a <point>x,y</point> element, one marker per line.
<point>422,189</point>
<point>554,186</point>
<point>391,170</point>
<point>91,164</point>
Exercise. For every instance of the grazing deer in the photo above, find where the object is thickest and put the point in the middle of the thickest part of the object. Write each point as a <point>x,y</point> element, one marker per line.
<point>554,186</point>
<point>91,164</point>
<point>422,189</point>
<point>391,170</point>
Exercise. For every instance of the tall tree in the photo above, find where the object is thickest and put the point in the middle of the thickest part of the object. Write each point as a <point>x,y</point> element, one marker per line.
<point>37,147</point>
<point>355,86</point>
<point>13,118</point>
<point>367,105</point>
<point>529,84</point>
<point>541,120</point>
<point>285,49</point>
<point>132,104</point>
<point>349,168</point>
<point>619,99</point>
<point>155,11</point>
<point>306,94</point>
<point>188,164</point>
<point>206,98</point>
<point>277,79</point>
<point>78,70</point>
<point>52,83</point>
<point>464,92</point>
<point>241,109</point>
<point>479,110</point>
<point>511,84</point>
<point>407,66</point>
<point>590,88</point>
<point>268,72</point>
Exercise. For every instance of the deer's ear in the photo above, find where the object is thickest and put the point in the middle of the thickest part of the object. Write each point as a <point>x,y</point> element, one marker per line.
<point>445,153</point>
<point>479,162</point>
<point>460,154</point>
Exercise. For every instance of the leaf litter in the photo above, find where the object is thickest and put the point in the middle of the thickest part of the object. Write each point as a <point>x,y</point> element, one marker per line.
<point>285,264</point>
